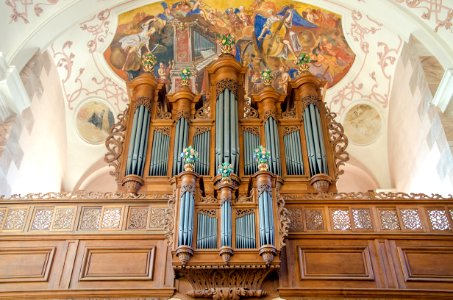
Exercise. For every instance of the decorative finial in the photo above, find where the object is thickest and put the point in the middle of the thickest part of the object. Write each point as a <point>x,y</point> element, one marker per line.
<point>225,169</point>
<point>149,60</point>
<point>267,77</point>
<point>262,157</point>
<point>185,76</point>
<point>189,156</point>
<point>226,42</point>
<point>302,62</point>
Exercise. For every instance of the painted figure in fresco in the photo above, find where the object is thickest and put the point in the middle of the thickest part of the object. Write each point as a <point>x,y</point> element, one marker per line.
<point>284,79</point>
<point>276,36</point>
<point>133,44</point>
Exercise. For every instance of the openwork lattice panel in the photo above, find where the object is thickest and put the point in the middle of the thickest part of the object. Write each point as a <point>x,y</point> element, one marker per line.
<point>340,219</point>
<point>137,218</point>
<point>111,218</point>
<point>389,219</point>
<point>362,218</point>
<point>42,219</point>
<point>438,219</point>
<point>295,215</point>
<point>411,219</point>
<point>15,219</point>
<point>64,218</point>
<point>314,219</point>
<point>90,218</point>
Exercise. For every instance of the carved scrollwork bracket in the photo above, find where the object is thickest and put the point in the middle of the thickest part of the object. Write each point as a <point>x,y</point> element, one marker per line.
<point>249,111</point>
<point>338,140</point>
<point>284,220</point>
<point>114,144</point>
<point>169,225</point>
<point>161,114</point>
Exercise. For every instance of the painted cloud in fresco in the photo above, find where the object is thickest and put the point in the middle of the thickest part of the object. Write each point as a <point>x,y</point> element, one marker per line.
<point>268,34</point>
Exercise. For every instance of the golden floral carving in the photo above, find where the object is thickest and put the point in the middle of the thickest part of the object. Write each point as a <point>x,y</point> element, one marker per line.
<point>227,84</point>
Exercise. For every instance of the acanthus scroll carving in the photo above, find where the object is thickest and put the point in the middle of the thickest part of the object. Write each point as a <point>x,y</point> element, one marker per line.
<point>143,100</point>
<point>289,114</point>
<point>188,188</point>
<point>290,129</point>
<point>226,283</point>
<point>249,111</point>
<point>161,114</point>
<point>285,221</point>
<point>252,130</point>
<point>208,199</point>
<point>203,112</point>
<point>182,114</point>
<point>339,142</point>
<point>199,130</point>
<point>169,225</point>
<point>310,99</point>
<point>227,84</point>
<point>114,144</point>
<point>264,188</point>
<point>163,130</point>
<point>208,212</point>
<point>270,113</point>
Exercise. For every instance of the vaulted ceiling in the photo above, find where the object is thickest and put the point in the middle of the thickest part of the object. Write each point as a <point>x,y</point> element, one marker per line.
<point>71,37</point>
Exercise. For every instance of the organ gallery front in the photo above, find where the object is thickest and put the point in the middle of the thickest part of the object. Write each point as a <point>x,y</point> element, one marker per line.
<point>226,190</point>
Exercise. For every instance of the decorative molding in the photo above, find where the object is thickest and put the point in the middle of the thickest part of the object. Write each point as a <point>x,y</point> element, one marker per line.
<point>367,196</point>
<point>339,142</point>
<point>115,143</point>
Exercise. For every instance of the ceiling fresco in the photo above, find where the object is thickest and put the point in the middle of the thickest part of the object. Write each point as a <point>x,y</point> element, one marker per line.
<point>269,35</point>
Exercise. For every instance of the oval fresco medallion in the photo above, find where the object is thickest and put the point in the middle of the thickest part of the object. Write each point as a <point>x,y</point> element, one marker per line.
<point>94,119</point>
<point>362,124</point>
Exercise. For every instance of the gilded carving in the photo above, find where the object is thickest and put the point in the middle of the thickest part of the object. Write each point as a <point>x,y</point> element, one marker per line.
<point>264,188</point>
<point>90,218</point>
<point>339,142</point>
<point>138,217</point>
<point>203,112</point>
<point>270,113</point>
<point>227,84</point>
<point>111,218</point>
<point>64,218</point>
<point>314,219</point>
<point>199,130</point>
<point>187,188</point>
<point>289,114</point>
<point>158,218</point>
<point>244,199</point>
<point>295,215</point>
<point>15,219</point>
<point>42,219</point>
<point>389,219</point>
<point>310,99</point>
<point>114,144</point>
<point>182,114</point>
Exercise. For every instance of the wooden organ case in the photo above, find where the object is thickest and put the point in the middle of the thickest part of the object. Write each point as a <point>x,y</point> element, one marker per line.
<point>183,231</point>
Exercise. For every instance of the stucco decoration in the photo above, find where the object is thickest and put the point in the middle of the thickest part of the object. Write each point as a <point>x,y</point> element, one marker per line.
<point>362,124</point>
<point>94,119</point>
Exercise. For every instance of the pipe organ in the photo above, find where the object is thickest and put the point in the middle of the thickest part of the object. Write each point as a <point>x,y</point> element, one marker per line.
<point>239,219</point>
<point>234,223</point>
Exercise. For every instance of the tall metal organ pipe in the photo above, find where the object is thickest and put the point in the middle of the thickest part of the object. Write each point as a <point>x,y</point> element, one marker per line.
<point>273,145</point>
<point>317,159</point>
<point>181,140</point>
<point>138,141</point>
<point>227,135</point>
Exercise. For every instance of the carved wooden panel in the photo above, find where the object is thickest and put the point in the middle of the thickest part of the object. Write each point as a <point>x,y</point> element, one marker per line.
<point>426,263</point>
<point>318,262</point>
<point>131,263</point>
<point>25,264</point>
